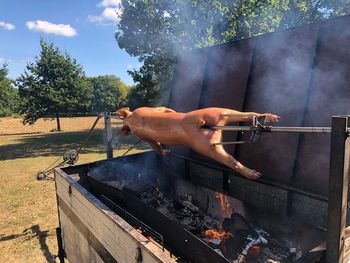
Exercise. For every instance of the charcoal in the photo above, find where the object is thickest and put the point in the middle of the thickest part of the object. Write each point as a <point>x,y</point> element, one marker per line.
<point>190,206</point>
<point>154,203</point>
<point>238,248</point>
<point>239,225</point>
<point>137,187</point>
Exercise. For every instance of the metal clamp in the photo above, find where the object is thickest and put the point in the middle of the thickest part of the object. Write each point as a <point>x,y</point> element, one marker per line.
<point>258,126</point>
<point>258,122</point>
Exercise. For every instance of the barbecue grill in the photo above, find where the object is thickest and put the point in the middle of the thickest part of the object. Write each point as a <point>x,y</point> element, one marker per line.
<point>124,183</point>
<point>147,208</point>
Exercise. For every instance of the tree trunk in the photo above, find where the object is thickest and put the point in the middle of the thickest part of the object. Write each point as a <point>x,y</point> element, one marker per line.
<point>58,122</point>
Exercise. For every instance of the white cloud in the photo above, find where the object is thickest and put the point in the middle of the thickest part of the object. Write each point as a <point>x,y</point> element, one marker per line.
<point>7,26</point>
<point>109,14</point>
<point>5,61</point>
<point>50,28</point>
<point>166,14</point>
<point>108,3</point>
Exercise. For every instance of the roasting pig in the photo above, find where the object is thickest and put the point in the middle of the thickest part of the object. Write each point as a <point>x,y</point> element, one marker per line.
<point>163,126</point>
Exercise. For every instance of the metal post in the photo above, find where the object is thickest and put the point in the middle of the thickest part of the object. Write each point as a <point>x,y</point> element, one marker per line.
<point>338,189</point>
<point>274,129</point>
<point>109,137</point>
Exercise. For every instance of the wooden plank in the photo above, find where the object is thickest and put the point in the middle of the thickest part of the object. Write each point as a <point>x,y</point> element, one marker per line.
<point>117,243</point>
<point>338,189</point>
<point>113,232</point>
<point>347,244</point>
<point>105,228</point>
<point>85,236</point>
<point>77,247</point>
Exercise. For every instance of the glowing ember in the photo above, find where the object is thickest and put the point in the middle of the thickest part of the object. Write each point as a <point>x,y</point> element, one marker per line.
<point>224,204</point>
<point>212,234</point>
<point>254,251</point>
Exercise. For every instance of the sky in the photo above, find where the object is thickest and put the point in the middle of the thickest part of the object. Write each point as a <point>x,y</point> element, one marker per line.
<point>84,29</point>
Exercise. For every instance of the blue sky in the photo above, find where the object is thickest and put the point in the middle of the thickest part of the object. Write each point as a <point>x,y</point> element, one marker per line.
<point>85,29</point>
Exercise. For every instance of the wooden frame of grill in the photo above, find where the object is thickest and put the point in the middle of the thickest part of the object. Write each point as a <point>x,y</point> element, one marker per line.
<point>329,213</point>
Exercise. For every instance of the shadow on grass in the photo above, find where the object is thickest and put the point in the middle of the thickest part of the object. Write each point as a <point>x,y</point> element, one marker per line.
<point>34,232</point>
<point>55,144</point>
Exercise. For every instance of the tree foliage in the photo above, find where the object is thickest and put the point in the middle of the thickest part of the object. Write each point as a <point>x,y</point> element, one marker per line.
<point>156,30</point>
<point>109,93</point>
<point>53,85</point>
<point>9,99</point>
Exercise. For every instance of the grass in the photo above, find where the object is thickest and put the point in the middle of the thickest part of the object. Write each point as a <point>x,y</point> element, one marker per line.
<point>28,212</point>
<point>10,125</point>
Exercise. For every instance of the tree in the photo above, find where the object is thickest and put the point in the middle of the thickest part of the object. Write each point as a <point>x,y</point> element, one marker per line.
<point>155,31</point>
<point>109,93</point>
<point>8,95</point>
<point>52,86</point>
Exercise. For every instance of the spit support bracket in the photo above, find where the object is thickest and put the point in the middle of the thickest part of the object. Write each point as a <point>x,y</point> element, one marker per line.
<point>257,128</point>
<point>258,122</point>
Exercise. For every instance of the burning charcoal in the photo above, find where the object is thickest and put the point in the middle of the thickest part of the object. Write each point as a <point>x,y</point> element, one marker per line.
<point>215,241</point>
<point>190,206</point>
<point>231,248</point>
<point>276,251</point>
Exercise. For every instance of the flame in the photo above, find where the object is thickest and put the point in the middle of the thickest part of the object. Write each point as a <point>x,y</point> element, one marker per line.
<point>212,234</point>
<point>224,204</point>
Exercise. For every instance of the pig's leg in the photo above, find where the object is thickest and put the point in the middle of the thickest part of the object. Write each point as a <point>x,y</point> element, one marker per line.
<point>237,116</point>
<point>157,147</point>
<point>220,155</point>
<point>202,141</point>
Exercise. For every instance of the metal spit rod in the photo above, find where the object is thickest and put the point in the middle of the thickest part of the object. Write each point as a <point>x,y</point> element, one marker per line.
<point>275,129</point>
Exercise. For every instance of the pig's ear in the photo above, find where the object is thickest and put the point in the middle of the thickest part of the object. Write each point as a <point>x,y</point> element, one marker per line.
<point>123,131</point>
<point>123,112</point>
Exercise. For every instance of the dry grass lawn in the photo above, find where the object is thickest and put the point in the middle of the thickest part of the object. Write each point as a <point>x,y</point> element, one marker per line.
<point>10,126</point>
<point>28,213</point>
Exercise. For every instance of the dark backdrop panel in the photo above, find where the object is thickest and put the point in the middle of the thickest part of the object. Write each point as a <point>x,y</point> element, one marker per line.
<point>188,80</point>
<point>187,86</point>
<point>279,84</point>
<point>330,95</point>
<point>301,74</point>
<point>227,74</point>
<point>225,80</point>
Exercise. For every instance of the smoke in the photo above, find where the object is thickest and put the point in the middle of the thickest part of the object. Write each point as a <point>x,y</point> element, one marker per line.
<point>301,74</point>
<point>189,76</point>
<point>143,167</point>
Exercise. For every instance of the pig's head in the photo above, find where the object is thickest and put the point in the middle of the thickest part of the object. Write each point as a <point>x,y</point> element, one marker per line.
<point>123,114</point>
